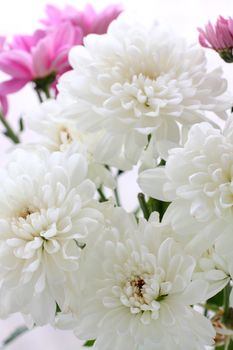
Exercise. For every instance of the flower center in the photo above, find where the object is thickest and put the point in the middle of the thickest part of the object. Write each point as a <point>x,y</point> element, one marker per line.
<point>137,285</point>
<point>35,224</point>
<point>136,95</point>
<point>65,136</point>
<point>25,213</point>
<point>143,295</point>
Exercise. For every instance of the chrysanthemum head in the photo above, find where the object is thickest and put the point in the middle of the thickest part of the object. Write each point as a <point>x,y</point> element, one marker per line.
<point>198,180</point>
<point>140,282</point>
<point>58,133</point>
<point>144,286</point>
<point>138,82</point>
<point>46,214</point>
<point>219,37</point>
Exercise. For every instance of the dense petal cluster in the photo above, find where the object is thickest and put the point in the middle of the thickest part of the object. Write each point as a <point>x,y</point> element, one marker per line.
<point>198,180</point>
<point>139,289</point>
<point>45,215</point>
<point>58,133</point>
<point>119,280</point>
<point>136,84</point>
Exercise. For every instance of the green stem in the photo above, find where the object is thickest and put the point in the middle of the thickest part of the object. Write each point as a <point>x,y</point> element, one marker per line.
<point>117,197</point>
<point>42,84</point>
<point>39,92</point>
<point>143,205</point>
<point>115,191</point>
<point>16,333</point>
<point>9,131</point>
<point>38,95</point>
<point>102,195</point>
<point>46,91</point>
<point>226,303</point>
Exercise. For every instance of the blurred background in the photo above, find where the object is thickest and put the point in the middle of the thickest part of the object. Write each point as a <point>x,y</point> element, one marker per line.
<point>22,17</point>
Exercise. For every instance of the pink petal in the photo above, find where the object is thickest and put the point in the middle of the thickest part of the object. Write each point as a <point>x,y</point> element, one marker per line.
<point>27,42</point>
<point>71,14</point>
<point>78,39</point>
<point>103,20</point>
<point>42,58</point>
<point>224,36</point>
<point>63,37</point>
<point>61,62</point>
<point>2,41</point>
<point>86,19</point>
<point>230,25</point>
<point>22,42</point>
<point>12,85</point>
<point>51,51</point>
<point>16,63</point>
<point>211,36</point>
<point>38,35</point>
<point>54,15</point>
<point>202,38</point>
<point>219,37</point>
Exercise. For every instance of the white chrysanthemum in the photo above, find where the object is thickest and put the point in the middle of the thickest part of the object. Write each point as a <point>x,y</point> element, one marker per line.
<point>45,215</point>
<point>139,289</point>
<point>136,81</point>
<point>212,268</point>
<point>198,179</point>
<point>58,133</point>
<point>210,265</point>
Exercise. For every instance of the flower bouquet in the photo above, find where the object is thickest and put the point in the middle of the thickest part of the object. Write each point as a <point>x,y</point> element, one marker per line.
<point>113,97</point>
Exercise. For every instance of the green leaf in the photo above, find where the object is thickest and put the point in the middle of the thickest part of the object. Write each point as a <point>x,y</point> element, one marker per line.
<point>162,162</point>
<point>157,205</point>
<point>217,299</point>
<point>89,343</point>
<point>230,346</point>
<point>143,205</point>
<point>57,308</point>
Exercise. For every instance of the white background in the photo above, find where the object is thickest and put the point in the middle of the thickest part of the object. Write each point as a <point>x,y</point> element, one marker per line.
<point>21,17</point>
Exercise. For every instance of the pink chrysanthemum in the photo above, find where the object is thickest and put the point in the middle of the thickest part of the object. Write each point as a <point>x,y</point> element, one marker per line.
<point>43,56</point>
<point>219,37</point>
<point>37,57</point>
<point>87,21</point>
